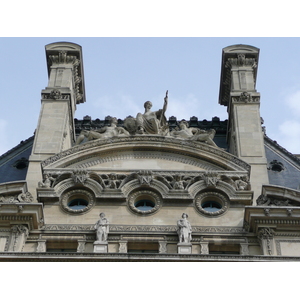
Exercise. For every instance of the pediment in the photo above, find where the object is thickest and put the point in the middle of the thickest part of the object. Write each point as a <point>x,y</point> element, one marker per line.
<point>145,153</point>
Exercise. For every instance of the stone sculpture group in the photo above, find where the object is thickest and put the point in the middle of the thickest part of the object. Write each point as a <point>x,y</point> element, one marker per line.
<point>148,123</point>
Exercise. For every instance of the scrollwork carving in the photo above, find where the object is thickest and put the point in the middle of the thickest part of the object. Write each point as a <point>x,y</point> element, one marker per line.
<point>21,198</point>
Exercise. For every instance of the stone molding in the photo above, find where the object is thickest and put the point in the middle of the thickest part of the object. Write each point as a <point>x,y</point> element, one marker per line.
<point>79,256</point>
<point>187,148</point>
<point>55,94</point>
<point>114,228</point>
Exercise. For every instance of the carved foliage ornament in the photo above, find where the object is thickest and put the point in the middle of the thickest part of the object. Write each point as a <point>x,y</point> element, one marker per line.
<point>241,60</point>
<point>21,198</point>
<point>56,95</point>
<point>246,97</point>
<point>264,200</point>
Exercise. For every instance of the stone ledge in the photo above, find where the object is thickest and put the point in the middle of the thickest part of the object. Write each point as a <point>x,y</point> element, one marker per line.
<point>125,257</point>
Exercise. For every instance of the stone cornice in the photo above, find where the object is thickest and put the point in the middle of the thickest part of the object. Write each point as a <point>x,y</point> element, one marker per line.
<point>165,229</point>
<point>186,147</point>
<point>113,257</point>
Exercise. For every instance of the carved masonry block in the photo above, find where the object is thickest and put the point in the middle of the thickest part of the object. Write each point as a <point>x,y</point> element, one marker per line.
<point>100,247</point>
<point>184,248</point>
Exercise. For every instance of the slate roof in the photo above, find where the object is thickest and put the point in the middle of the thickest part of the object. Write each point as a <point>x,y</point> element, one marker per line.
<point>14,163</point>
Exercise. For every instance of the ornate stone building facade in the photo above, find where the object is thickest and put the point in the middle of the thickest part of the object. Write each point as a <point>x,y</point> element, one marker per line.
<point>147,188</point>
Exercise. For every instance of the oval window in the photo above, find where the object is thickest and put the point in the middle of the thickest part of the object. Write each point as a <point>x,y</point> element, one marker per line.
<point>144,205</point>
<point>76,204</point>
<point>211,206</point>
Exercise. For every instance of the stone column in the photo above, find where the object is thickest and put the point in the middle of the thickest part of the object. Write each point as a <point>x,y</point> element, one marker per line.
<point>237,91</point>
<point>55,131</point>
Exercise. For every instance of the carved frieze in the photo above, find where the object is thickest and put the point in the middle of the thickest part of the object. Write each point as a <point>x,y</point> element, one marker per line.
<point>267,200</point>
<point>55,95</point>
<point>241,61</point>
<point>246,97</point>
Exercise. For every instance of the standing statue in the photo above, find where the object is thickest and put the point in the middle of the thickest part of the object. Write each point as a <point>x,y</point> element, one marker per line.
<point>184,229</point>
<point>152,122</point>
<point>102,133</point>
<point>102,228</point>
<point>194,134</point>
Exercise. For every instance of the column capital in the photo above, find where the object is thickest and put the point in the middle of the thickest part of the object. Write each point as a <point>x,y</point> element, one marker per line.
<point>238,71</point>
<point>64,55</point>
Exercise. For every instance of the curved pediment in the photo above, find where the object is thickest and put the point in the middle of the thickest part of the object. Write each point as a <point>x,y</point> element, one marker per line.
<point>145,153</point>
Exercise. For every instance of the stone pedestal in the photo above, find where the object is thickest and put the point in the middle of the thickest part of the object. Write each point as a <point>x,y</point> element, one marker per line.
<point>100,247</point>
<point>184,248</point>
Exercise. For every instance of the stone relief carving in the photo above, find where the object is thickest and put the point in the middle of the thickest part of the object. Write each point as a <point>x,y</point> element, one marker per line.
<point>264,200</point>
<point>48,181</point>
<point>246,97</point>
<point>80,176</point>
<point>56,95</point>
<point>194,134</point>
<point>241,60</point>
<point>106,132</point>
<point>241,183</point>
<point>102,228</point>
<point>184,229</point>
<point>21,198</point>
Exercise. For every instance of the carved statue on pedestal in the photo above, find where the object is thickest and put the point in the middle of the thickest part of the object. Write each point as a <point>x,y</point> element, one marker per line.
<point>184,229</point>
<point>102,228</point>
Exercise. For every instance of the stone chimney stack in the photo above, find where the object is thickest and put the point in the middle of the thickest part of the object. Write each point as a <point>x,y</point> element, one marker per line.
<point>238,92</point>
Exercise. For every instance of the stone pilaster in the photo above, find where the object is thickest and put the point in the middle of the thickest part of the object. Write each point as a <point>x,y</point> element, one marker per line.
<point>266,239</point>
<point>19,234</point>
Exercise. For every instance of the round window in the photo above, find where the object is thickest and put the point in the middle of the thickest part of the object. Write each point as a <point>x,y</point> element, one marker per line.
<point>211,203</point>
<point>144,202</point>
<point>77,201</point>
